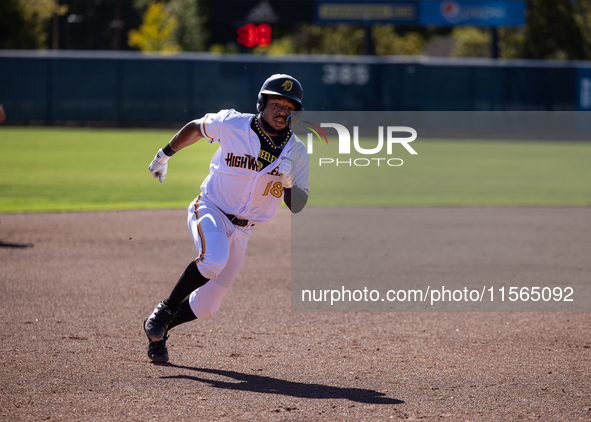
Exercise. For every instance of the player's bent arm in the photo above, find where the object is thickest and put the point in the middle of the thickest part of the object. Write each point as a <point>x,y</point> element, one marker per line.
<point>295,198</point>
<point>188,135</point>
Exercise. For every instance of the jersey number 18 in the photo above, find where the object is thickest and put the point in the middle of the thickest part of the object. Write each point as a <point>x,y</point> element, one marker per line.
<point>274,189</point>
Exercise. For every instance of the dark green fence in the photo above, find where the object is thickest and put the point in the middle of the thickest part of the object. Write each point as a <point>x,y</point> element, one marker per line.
<point>128,89</point>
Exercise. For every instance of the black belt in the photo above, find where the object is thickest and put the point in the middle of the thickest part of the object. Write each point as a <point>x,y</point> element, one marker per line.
<point>236,221</point>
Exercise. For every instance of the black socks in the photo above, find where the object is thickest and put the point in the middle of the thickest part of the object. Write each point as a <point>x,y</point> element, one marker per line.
<point>190,280</point>
<point>184,314</point>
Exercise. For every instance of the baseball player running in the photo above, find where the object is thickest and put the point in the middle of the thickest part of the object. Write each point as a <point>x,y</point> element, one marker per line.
<point>258,163</point>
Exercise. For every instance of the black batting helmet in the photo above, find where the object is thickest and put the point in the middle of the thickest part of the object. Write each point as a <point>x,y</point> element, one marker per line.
<point>283,85</point>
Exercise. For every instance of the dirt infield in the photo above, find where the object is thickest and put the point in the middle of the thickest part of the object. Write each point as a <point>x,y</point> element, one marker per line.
<point>76,287</point>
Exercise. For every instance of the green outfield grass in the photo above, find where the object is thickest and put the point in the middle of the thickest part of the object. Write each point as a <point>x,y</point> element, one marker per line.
<point>71,169</point>
<point>459,173</point>
<point>63,169</point>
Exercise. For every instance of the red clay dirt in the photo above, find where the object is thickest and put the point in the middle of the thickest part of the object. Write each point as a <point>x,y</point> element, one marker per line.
<point>77,286</point>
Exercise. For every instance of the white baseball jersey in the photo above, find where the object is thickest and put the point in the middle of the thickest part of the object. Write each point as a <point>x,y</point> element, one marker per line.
<point>236,186</point>
<point>234,183</point>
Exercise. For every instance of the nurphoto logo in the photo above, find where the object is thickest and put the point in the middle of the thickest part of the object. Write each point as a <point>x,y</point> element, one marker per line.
<point>345,144</point>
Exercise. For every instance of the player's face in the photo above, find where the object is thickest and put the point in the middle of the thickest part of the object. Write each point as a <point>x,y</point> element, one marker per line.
<point>277,110</point>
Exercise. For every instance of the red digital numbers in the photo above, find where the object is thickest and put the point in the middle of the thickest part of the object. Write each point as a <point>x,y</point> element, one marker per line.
<point>251,35</point>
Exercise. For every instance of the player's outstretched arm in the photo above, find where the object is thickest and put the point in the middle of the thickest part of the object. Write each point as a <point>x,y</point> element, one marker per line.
<point>188,135</point>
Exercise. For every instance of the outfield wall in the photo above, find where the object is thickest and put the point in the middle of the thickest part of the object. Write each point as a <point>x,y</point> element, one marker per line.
<point>133,89</point>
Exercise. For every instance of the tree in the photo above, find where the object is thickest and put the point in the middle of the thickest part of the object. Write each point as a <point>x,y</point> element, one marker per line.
<point>388,42</point>
<point>471,42</point>
<point>555,30</point>
<point>189,32</point>
<point>345,40</point>
<point>156,32</point>
<point>23,23</point>
<point>338,39</point>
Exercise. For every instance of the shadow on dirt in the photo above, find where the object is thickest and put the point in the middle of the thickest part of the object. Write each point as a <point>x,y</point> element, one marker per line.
<point>261,384</point>
<point>15,245</point>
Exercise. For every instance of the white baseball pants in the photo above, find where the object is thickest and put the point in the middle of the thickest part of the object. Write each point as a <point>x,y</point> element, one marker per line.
<point>220,249</point>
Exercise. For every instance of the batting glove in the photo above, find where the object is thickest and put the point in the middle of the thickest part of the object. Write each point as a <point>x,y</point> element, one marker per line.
<point>159,165</point>
<point>287,170</point>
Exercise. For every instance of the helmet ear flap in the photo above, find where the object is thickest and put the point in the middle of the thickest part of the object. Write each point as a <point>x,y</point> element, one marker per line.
<point>261,103</point>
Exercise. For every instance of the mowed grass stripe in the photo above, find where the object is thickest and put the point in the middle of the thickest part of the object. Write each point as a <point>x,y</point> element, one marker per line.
<point>57,169</point>
<point>70,169</point>
<point>460,173</point>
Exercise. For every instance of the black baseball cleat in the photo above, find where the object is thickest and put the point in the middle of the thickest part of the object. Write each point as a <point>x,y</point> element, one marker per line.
<point>157,324</point>
<point>157,350</point>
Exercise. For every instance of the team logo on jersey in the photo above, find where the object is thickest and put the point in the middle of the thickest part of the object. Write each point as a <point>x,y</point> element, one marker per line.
<point>275,172</point>
<point>267,157</point>
<point>287,85</point>
<point>242,161</point>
